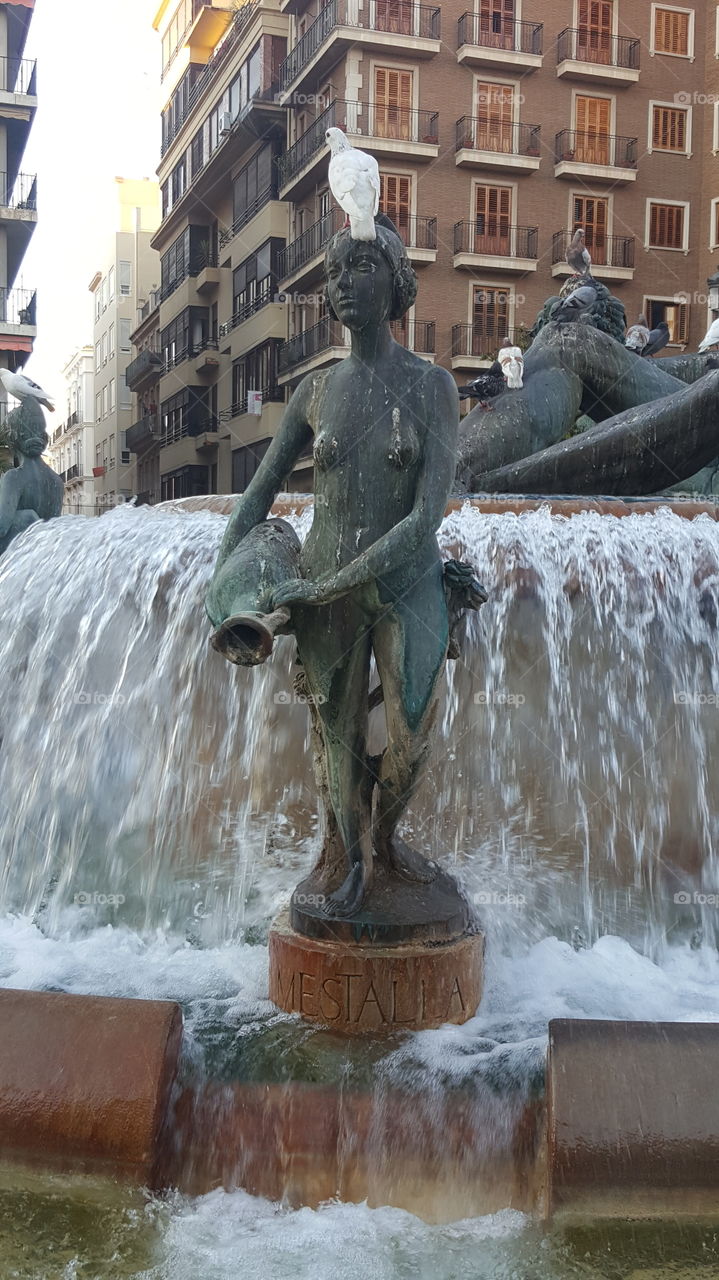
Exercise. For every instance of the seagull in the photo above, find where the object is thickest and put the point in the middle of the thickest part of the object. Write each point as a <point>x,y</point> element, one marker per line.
<point>576,304</point>
<point>658,339</point>
<point>512,363</point>
<point>638,336</point>
<point>354,183</point>
<point>485,387</point>
<point>578,255</point>
<point>23,388</point>
<point>712,337</point>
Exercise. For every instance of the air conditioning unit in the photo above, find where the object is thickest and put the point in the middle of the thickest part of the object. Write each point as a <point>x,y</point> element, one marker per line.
<point>125,457</point>
<point>225,124</point>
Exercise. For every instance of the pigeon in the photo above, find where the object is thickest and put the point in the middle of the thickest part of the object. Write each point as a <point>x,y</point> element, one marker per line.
<point>23,388</point>
<point>658,339</point>
<point>576,305</point>
<point>712,337</point>
<point>637,336</point>
<point>512,362</point>
<point>354,183</point>
<point>485,387</point>
<point>578,255</point>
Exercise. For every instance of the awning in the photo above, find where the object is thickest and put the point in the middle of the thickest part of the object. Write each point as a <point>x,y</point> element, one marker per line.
<point>26,4</point>
<point>14,343</point>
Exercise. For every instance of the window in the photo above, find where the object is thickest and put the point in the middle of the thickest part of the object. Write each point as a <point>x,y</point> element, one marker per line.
<point>98,455</point>
<point>183,258</point>
<point>253,187</point>
<point>255,280</point>
<point>245,462</point>
<point>714,224</point>
<point>176,29</point>
<point>673,31</point>
<point>184,336</point>
<point>594,31</point>
<point>98,303</point>
<point>125,276</point>
<point>592,130</point>
<point>184,414</point>
<point>98,357</point>
<point>393,97</point>
<point>492,219</point>
<point>103,288</point>
<point>592,214</point>
<point>396,201</point>
<point>255,371</point>
<point>104,348</point>
<point>111,342</point>
<point>670,128</point>
<point>125,395</point>
<point>675,313</point>
<point>111,284</point>
<point>111,395</point>
<point>187,482</point>
<point>104,402</point>
<point>111,450</point>
<point>98,408</point>
<point>490,319</point>
<point>668,226</point>
<point>125,331</point>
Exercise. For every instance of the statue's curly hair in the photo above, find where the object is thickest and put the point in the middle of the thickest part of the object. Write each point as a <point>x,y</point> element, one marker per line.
<point>393,250</point>
<point>25,430</point>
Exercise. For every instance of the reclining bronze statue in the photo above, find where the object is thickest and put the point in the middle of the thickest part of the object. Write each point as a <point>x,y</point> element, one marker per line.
<point>31,491</point>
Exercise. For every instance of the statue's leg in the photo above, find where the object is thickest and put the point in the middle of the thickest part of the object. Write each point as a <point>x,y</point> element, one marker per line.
<point>410,646</point>
<point>333,643</point>
<point>22,521</point>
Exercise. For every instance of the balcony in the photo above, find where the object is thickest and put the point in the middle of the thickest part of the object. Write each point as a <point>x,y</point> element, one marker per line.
<point>376,28</point>
<point>486,143</point>
<point>499,42</point>
<point>419,336</point>
<point>600,157</point>
<point>142,434</point>
<point>204,29</point>
<point>18,309</point>
<point>595,55</point>
<point>493,244</point>
<point>612,256</point>
<point>145,368</point>
<point>247,214</point>
<point>18,79</point>
<point>475,346</point>
<point>303,257</point>
<point>385,131</point>
<point>323,344</point>
<point>18,216</point>
<point>192,425</point>
<point>72,473</point>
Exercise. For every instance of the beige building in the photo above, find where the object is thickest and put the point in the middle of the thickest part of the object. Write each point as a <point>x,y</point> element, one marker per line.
<point>129,274</point>
<point>72,444</point>
<point>498,131</point>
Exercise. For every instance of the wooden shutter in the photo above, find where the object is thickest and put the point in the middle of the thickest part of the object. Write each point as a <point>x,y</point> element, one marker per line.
<point>593,117</point>
<point>395,200</point>
<point>493,217</point>
<point>666,226</point>
<point>490,320</point>
<point>494,116</point>
<point>671,32</point>
<point>393,103</point>
<point>592,213</point>
<point>669,129</point>
<point>496,23</point>
<point>594,33</point>
<point>394,16</point>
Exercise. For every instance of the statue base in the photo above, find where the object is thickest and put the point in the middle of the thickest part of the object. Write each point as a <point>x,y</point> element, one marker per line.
<point>365,989</point>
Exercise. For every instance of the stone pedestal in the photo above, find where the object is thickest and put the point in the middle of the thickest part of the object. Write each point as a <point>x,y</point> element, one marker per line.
<point>363,988</point>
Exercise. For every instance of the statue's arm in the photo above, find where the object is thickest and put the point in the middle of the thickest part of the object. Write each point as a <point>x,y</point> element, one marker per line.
<point>433,489</point>
<point>9,498</point>
<point>253,506</point>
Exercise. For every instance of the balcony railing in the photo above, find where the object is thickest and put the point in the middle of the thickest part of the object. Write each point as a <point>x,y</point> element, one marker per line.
<point>605,251</point>
<point>141,433</point>
<point>18,306</point>
<point>483,341</point>
<point>496,32</point>
<point>603,149</point>
<point>495,237</point>
<point>72,473</point>
<point>145,363</point>
<point>312,241</point>
<point>18,191</point>
<point>248,213</point>
<point>172,358</point>
<point>395,17</point>
<point>483,133</point>
<point>270,393</point>
<point>188,425</point>
<point>369,120</point>
<point>197,5</point>
<point>416,335</point>
<point>599,47</point>
<point>304,346</point>
<point>264,294</point>
<point>18,75</point>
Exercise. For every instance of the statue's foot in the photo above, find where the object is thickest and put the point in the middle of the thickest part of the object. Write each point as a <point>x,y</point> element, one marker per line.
<point>404,861</point>
<point>347,900</point>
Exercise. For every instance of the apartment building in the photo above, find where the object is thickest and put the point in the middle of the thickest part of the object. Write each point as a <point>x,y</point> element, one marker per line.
<point>18,190</point>
<point>498,131</point>
<point>128,276</point>
<point>72,443</point>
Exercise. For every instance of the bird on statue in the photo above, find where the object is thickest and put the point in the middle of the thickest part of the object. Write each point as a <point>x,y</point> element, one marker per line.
<point>576,305</point>
<point>578,255</point>
<point>658,339</point>
<point>637,336</point>
<point>23,388</point>
<point>354,183</point>
<point>512,364</point>
<point>485,387</point>
<point>711,338</point>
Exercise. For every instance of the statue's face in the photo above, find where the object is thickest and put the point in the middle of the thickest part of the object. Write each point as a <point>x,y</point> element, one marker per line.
<point>359,283</point>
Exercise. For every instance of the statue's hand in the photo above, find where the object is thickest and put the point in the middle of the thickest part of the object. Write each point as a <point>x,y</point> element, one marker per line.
<point>296,591</point>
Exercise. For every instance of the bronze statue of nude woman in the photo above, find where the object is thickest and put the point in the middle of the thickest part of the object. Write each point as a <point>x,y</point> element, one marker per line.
<point>384,424</point>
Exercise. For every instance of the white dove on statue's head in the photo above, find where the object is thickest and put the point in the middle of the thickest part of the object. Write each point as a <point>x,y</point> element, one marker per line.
<point>354,183</point>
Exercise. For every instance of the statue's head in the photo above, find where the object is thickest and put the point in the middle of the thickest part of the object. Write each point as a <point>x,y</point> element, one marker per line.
<point>369,282</point>
<point>25,430</point>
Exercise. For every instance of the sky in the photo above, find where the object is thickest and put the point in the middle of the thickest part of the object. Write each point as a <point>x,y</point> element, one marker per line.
<point>98,118</point>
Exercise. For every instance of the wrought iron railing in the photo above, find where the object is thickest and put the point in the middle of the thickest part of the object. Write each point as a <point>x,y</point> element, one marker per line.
<point>483,341</point>
<point>18,306</point>
<point>18,75</point>
<point>248,213</point>
<point>299,252</point>
<point>495,32</point>
<point>583,44</point>
<point>584,146</point>
<point>496,238</point>
<point>605,251</point>
<point>148,361</point>
<point>395,17</point>
<point>312,342</point>
<point>486,133</point>
<point>141,433</point>
<point>368,120</point>
<point>264,294</point>
<point>18,191</point>
<point>416,335</point>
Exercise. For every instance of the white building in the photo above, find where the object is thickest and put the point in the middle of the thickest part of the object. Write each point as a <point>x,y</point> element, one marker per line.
<point>72,445</point>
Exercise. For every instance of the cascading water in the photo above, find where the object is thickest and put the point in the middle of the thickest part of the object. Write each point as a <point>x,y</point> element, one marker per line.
<point>158,806</point>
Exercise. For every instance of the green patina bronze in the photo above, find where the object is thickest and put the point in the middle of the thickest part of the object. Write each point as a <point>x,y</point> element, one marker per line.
<point>383,426</point>
<point>30,491</point>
